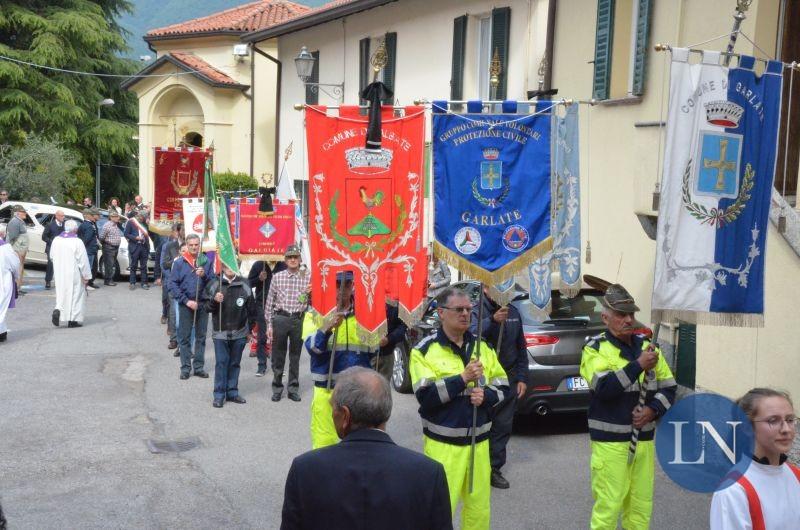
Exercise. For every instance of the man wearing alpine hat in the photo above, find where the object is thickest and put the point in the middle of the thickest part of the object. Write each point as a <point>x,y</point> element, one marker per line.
<point>616,363</point>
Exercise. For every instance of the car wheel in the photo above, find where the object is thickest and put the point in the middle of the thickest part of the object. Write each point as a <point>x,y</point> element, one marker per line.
<point>401,379</point>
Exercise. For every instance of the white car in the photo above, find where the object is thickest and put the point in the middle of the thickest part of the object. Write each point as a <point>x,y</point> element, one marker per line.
<point>40,215</point>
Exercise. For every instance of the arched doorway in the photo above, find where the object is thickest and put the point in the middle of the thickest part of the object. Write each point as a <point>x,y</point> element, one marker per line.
<point>181,116</point>
<point>192,139</point>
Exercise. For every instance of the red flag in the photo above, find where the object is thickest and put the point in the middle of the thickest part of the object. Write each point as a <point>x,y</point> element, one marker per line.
<point>262,236</point>
<point>178,174</point>
<point>366,210</point>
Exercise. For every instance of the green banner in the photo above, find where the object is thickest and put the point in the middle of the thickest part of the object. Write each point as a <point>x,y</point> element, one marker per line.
<point>225,248</point>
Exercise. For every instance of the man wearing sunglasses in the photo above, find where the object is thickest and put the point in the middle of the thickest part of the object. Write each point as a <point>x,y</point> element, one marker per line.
<point>453,377</point>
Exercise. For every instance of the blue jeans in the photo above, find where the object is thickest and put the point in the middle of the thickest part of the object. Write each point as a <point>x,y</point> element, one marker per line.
<point>226,371</point>
<point>187,326</point>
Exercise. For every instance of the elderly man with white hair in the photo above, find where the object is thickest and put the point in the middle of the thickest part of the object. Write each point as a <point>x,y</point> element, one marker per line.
<point>72,272</point>
<point>9,268</point>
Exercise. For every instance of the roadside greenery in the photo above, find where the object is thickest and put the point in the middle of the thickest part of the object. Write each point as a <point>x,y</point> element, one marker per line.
<point>41,106</point>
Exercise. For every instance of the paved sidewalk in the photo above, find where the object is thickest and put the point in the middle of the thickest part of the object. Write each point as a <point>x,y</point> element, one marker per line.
<point>78,406</point>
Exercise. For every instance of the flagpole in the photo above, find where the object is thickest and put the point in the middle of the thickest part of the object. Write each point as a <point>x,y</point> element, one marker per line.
<point>339,301</point>
<point>477,385</point>
<point>642,396</point>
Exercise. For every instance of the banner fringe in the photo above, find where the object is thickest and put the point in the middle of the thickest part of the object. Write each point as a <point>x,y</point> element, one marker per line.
<point>411,318</point>
<point>703,318</point>
<point>369,338</point>
<point>501,274</point>
<point>501,298</point>
<point>162,228</point>
<point>540,315</point>
<point>570,290</point>
<point>261,257</point>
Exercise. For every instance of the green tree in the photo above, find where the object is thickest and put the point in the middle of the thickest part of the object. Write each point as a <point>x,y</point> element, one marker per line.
<point>39,168</point>
<point>229,181</point>
<point>79,35</point>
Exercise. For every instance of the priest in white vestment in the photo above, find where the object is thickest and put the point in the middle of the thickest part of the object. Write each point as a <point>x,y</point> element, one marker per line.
<point>9,269</point>
<point>71,271</point>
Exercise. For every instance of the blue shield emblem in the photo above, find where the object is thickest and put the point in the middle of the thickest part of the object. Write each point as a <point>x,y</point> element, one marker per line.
<point>717,166</point>
<point>491,174</point>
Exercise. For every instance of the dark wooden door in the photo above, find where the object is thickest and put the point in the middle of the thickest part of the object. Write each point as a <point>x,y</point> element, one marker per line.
<point>789,51</point>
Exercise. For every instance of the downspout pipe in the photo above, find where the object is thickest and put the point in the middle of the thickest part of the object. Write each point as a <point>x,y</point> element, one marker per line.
<point>279,66</point>
<point>550,38</point>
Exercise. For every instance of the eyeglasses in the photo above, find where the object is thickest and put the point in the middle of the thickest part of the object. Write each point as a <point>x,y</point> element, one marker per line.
<point>775,422</point>
<point>457,309</point>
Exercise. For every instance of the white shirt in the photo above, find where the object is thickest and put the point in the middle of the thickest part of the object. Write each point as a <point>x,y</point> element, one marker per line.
<point>778,490</point>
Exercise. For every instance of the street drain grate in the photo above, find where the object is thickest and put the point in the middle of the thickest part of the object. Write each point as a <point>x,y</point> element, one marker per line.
<point>173,446</point>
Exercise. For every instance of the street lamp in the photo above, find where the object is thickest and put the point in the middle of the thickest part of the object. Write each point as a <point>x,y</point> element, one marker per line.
<point>304,63</point>
<point>107,102</point>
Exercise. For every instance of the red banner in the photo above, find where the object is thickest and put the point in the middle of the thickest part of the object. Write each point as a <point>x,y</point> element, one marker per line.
<point>366,210</point>
<point>178,174</point>
<point>262,236</point>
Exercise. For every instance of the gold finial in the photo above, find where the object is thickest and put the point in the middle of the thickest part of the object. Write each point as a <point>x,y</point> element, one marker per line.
<point>379,59</point>
<point>743,5</point>
<point>495,69</point>
<point>266,179</point>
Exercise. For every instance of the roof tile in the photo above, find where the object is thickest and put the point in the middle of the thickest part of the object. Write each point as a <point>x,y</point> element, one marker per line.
<point>237,20</point>
<point>194,62</point>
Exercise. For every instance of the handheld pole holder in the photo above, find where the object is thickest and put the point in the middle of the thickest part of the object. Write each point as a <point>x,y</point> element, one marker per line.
<point>648,378</point>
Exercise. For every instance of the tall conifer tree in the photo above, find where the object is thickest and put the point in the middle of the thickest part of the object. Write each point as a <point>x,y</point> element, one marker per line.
<point>81,35</point>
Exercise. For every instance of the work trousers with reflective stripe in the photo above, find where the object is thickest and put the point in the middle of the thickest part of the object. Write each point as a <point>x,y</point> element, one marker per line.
<point>323,433</point>
<point>622,489</point>
<point>476,509</point>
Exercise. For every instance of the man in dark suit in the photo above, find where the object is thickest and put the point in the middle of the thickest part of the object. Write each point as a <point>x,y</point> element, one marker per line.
<point>366,481</point>
<point>53,230</point>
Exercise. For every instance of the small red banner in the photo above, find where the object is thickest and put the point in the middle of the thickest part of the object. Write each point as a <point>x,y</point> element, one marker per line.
<point>259,235</point>
<point>178,175</point>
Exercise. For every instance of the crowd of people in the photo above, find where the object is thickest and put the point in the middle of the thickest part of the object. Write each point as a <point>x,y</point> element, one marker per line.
<point>466,388</point>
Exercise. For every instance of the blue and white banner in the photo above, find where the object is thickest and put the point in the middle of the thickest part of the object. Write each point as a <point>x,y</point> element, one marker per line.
<point>719,166</point>
<point>492,189</point>
<point>566,225</point>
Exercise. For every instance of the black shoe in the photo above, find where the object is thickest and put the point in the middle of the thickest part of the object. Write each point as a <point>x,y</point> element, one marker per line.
<point>238,399</point>
<point>56,317</point>
<point>110,283</point>
<point>200,374</point>
<point>184,376</point>
<point>92,285</point>
<point>3,336</point>
<point>276,396</point>
<point>499,481</point>
<point>176,353</point>
<point>145,286</point>
<point>73,324</point>
<point>218,403</point>
<point>261,373</point>
<point>132,287</point>
<point>294,396</point>
<point>172,345</point>
<point>47,285</point>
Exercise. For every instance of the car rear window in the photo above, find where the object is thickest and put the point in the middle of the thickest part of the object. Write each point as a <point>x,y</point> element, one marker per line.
<point>586,306</point>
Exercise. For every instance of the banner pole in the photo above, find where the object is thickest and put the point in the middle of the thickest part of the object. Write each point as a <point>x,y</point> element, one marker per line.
<point>478,384</point>
<point>339,301</point>
<point>642,395</point>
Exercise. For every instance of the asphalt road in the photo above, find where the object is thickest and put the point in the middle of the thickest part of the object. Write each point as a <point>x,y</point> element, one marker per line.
<point>78,406</point>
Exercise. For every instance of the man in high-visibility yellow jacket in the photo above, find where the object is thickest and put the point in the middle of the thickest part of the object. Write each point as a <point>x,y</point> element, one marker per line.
<point>451,375</point>
<point>616,364</point>
<point>340,339</point>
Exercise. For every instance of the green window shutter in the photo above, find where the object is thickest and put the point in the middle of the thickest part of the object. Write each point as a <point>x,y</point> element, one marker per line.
<point>640,57</point>
<point>312,96</point>
<point>602,49</point>
<point>501,27</point>
<point>391,62</point>
<point>363,65</point>
<point>459,49</point>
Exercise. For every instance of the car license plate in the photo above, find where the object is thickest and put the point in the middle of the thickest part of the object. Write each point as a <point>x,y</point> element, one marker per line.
<point>577,383</point>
